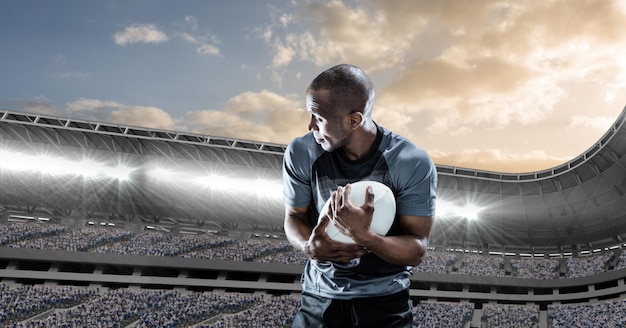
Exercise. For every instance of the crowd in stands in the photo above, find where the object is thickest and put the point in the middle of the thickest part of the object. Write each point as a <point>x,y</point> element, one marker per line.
<point>291,256</point>
<point>542,269</point>
<point>608,314</point>
<point>482,265</point>
<point>26,306</point>
<point>621,263</point>
<point>588,265</point>
<point>242,250</point>
<point>74,240</point>
<point>163,244</point>
<point>21,302</point>
<point>278,311</point>
<point>441,314</point>
<point>17,231</point>
<point>23,306</point>
<point>183,310</point>
<point>436,262</point>
<point>271,250</point>
<point>510,315</point>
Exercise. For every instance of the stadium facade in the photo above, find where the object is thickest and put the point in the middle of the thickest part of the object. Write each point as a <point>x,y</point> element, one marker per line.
<point>579,205</point>
<point>572,210</point>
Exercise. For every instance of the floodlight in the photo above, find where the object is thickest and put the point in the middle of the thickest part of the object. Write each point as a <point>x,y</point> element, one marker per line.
<point>444,208</point>
<point>120,172</point>
<point>268,188</point>
<point>87,168</point>
<point>161,174</point>
<point>16,161</point>
<point>217,181</point>
<point>470,212</point>
<point>49,165</point>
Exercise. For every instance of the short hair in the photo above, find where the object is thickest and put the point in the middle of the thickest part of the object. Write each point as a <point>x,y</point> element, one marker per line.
<point>350,88</point>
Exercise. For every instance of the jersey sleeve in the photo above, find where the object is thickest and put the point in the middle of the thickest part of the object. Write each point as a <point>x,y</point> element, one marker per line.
<point>297,174</point>
<point>416,176</point>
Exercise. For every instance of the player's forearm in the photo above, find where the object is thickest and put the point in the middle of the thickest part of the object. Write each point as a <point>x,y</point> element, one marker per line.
<point>401,250</point>
<point>297,232</point>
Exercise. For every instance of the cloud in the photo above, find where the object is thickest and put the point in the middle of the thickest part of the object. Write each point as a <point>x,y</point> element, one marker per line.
<point>498,160</point>
<point>601,123</point>
<point>336,32</point>
<point>150,117</point>
<point>187,37</point>
<point>140,33</point>
<point>39,105</point>
<point>191,22</point>
<point>510,62</point>
<point>90,105</point>
<point>115,112</point>
<point>206,43</point>
<point>459,66</point>
<point>262,116</point>
<point>209,49</point>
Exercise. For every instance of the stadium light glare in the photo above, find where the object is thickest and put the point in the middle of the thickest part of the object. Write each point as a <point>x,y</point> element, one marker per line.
<point>470,212</point>
<point>16,161</point>
<point>120,172</point>
<point>87,168</point>
<point>161,174</point>
<point>268,188</point>
<point>445,209</point>
<point>259,186</point>
<point>216,181</point>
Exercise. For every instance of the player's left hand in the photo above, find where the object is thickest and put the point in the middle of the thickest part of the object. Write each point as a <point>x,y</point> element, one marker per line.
<point>351,219</point>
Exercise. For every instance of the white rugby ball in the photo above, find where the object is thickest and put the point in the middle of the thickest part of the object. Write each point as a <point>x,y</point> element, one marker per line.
<point>384,209</point>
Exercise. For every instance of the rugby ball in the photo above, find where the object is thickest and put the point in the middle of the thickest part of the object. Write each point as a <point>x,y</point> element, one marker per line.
<point>384,209</point>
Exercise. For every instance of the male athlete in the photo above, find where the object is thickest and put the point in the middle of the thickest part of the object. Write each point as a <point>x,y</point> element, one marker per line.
<point>364,284</point>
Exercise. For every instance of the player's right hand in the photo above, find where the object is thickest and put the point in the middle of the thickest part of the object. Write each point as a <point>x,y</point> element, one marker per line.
<point>322,248</point>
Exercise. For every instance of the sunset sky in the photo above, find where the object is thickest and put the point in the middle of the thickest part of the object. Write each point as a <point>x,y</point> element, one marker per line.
<point>507,86</point>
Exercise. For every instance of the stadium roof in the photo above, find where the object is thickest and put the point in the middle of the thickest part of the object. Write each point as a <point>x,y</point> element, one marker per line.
<point>579,205</point>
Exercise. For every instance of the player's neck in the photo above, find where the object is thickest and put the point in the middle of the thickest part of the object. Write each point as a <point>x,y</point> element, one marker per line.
<point>361,142</point>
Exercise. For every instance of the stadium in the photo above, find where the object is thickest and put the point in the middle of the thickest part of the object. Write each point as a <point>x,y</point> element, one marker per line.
<point>123,226</point>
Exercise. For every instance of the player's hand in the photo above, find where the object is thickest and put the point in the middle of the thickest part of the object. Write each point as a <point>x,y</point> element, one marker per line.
<point>322,248</point>
<point>351,219</point>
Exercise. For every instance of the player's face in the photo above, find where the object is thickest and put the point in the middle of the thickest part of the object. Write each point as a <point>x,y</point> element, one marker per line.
<point>330,127</point>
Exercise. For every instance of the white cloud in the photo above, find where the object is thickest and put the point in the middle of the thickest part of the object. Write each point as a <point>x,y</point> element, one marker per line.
<point>338,33</point>
<point>115,112</point>
<point>85,104</point>
<point>283,54</point>
<point>262,116</point>
<point>208,49</point>
<point>39,105</point>
<point>192,22</point>
<point>187,37</point>
<point>140,33</point>
<point>206,44</point>
<point>145,116</point>
<point>467,66</point>
<point>601,123</point>
<point>285,19</point>
<point>499,160</point>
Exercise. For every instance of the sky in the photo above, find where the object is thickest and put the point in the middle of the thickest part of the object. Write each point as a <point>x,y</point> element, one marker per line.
<point>503,86</point>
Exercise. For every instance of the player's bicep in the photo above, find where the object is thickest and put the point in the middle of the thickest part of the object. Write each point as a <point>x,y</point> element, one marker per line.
<point>418,226</point>
<point>297,213</point>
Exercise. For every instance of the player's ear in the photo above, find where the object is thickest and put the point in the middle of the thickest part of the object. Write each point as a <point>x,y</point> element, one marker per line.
<point>356,118</point>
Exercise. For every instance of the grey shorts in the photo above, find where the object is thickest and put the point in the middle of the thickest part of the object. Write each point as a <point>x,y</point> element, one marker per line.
<point>389,311</point>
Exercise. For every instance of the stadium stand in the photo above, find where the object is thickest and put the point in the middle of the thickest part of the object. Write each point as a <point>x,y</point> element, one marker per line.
<point>143,252</point>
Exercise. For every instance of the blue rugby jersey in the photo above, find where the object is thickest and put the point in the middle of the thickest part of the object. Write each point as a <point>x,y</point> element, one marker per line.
<point>310,175</point>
